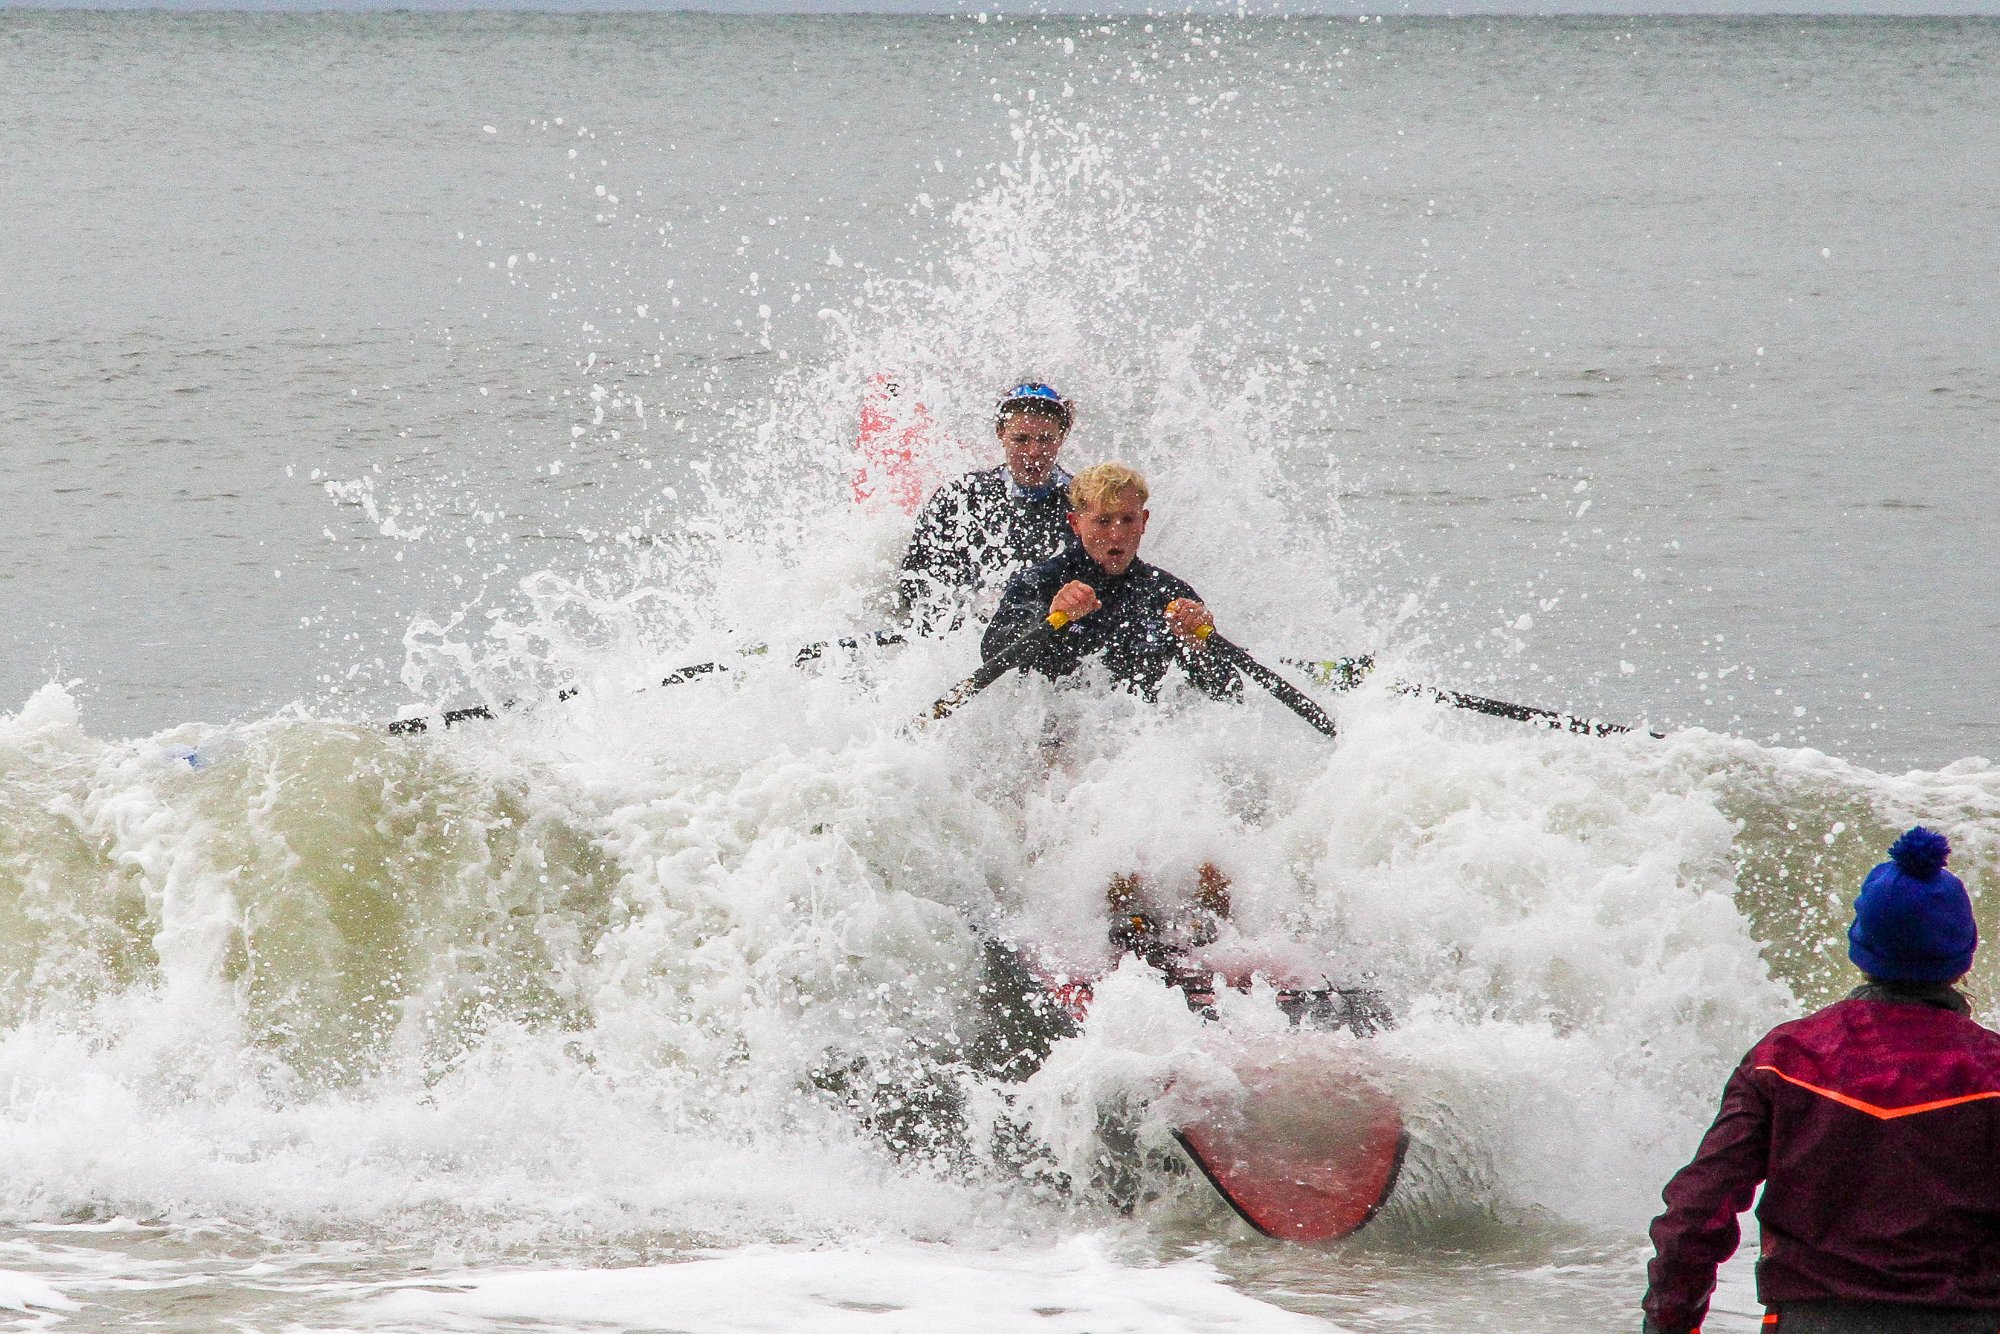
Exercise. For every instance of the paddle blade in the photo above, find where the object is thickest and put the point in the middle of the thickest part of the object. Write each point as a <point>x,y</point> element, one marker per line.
<point>1309,1155</point>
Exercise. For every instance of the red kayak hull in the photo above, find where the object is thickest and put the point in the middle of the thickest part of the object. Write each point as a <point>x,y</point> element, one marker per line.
<point>1309,1156</point>
<point>1310,1150</point>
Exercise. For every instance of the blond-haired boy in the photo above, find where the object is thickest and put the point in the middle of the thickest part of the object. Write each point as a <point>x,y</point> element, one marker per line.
<point>1137,618</point>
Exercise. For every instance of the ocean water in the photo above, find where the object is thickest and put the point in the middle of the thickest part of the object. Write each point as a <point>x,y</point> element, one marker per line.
<point>364,366</point>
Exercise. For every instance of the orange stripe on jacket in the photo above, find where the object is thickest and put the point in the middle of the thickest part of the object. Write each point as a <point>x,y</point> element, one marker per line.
<point>1880,1113</point>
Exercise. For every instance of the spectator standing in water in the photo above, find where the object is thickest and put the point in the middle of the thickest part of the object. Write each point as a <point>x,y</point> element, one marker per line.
<point>1874,1125</point>
<point>980,528</point>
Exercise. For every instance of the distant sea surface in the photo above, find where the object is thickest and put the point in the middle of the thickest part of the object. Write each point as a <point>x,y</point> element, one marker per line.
<point>354,366</point>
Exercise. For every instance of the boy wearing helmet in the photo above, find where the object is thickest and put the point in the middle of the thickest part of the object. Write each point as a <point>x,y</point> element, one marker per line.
<point>978,529</point>
<point>1872,1125</point>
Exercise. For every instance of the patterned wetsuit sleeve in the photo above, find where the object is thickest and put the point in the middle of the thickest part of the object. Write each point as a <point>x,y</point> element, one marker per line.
<point>1699,1230</point>
<point>936,564</point>
<point>1024,607</point>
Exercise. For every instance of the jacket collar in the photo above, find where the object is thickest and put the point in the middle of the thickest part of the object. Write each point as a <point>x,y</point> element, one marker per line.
<point>1941,995</point>
<point>1058,482</point>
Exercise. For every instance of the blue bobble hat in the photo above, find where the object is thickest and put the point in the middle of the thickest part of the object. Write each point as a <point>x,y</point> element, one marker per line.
<point>1033,397</point>
<point>1913,920</point>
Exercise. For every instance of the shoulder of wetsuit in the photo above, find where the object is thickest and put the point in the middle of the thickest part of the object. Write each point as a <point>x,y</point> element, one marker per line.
<point>982,484</point>
<point>992,481</point>
<point>1040,580</point>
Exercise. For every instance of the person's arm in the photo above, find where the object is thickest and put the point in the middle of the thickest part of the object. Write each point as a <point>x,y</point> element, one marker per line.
<point>1025,606</point>
<point>1699,1230</point>
<point>935,565</point>
<point>1211,674</point>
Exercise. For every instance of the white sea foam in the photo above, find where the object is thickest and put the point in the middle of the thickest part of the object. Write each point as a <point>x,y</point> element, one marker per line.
<point>31,1296</point>
<point>1074,1288</point>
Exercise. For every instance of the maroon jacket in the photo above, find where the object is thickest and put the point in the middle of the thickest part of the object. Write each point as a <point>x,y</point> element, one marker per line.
<point>1875,1126</point>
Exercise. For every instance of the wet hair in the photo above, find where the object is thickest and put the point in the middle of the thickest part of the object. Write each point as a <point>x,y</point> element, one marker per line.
<point>1097,484</point>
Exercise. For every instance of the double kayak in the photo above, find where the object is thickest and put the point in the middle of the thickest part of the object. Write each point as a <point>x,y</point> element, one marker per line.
<point>1308,1147</point>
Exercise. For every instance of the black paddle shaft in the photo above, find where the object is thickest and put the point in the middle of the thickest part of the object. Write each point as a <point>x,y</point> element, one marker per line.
<point>995,667</point>
<point>1347,673</point>
<point>679,676</point>
<point>808,653</point>
<point>1520,713</point>
<point>1287,694</point>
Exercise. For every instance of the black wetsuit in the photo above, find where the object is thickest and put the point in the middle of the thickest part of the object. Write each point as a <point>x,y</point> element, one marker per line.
<point>974,532</point>
<point>1128,630</point>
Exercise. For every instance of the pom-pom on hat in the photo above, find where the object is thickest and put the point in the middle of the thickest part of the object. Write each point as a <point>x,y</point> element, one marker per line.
<point>1913,920</point>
